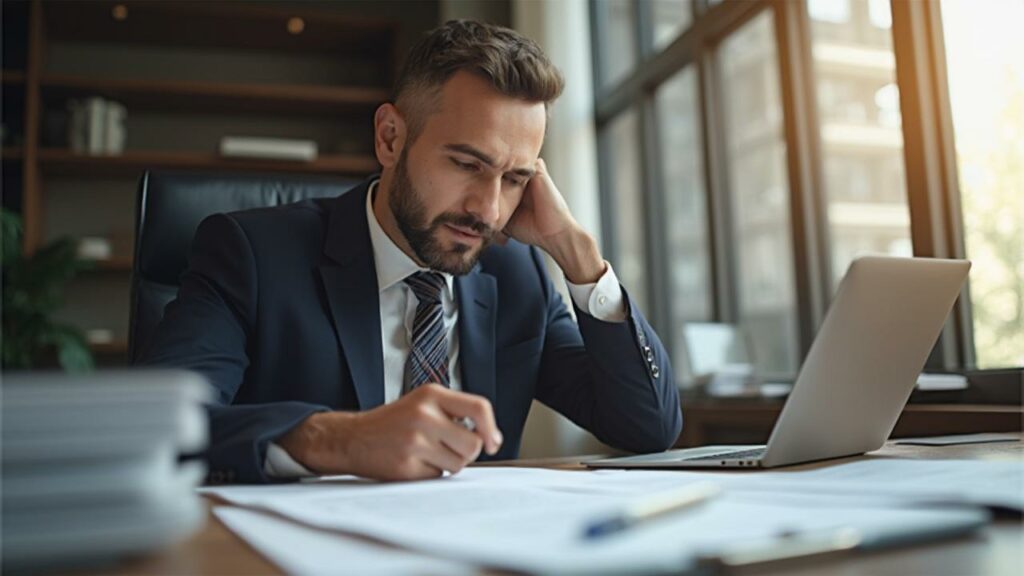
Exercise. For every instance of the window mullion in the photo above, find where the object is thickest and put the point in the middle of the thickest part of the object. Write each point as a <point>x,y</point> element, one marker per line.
<point>807,217</point>
<point>654,189</point>
<point>929,193</point>
<point>716,174</point>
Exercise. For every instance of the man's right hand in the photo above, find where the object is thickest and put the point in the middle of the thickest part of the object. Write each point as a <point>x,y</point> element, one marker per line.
<point>417,436</point>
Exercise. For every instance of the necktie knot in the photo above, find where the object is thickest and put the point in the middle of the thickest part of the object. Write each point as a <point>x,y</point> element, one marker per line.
<point>426,286</point>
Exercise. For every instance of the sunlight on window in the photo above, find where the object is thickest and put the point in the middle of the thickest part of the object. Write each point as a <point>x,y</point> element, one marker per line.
<point>861,137</point>
<point>986,83</point>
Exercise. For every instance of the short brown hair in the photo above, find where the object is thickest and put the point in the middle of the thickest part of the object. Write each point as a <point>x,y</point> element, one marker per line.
<point>513,63</point>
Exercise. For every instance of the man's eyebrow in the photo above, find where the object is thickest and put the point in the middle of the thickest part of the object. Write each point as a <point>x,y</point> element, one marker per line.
<point>486,159</point>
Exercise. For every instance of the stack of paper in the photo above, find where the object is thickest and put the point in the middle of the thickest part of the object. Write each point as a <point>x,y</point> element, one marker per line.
<point>90,464</point>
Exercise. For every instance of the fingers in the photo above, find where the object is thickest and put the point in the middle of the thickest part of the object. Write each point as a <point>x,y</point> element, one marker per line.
<point>458,439</point>
<point>461,405</point>
<point>440,457</point>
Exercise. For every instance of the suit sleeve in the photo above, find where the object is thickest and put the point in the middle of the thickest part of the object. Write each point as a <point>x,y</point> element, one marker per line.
<point>207,329</point>
<point>612,378</point>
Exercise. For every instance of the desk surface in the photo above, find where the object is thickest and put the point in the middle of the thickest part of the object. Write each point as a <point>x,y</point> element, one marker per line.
<point>998,549</point>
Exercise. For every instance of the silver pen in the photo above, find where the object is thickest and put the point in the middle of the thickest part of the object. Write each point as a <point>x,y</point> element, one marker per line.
<point>653,508</point>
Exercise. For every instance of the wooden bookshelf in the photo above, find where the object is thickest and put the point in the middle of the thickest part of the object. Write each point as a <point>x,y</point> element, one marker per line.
<point>175,95</point>
<point>337,68</point>
<point>67,163</point>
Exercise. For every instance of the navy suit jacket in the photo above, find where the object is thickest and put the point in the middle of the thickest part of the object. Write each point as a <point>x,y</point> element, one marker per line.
<point>279,309</point>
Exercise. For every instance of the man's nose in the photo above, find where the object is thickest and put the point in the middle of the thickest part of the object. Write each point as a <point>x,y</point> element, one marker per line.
<point>484,202</point>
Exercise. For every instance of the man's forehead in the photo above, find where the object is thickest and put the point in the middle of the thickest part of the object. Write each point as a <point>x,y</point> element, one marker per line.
<point>474,114</point>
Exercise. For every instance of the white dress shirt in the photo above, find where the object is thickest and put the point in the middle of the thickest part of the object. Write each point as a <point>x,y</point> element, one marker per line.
<point>602,299</point>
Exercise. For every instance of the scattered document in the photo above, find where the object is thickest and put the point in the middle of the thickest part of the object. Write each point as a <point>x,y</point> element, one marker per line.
<point>534,520</point>
<point>994,484</point>
<point>302,550</point>
<point>958,439</point>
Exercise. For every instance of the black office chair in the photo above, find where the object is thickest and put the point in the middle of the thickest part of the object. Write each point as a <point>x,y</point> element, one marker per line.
<point>169,208</point>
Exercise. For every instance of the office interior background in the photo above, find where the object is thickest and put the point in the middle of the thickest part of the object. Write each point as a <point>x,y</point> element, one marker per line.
<point>733,157</point>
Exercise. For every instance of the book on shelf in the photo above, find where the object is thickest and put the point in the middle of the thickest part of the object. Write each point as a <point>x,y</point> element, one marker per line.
<point>96,126</point>
<point>268,148</point>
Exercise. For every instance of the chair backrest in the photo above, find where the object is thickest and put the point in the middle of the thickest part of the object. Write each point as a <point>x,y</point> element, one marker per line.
<point>169,208</point>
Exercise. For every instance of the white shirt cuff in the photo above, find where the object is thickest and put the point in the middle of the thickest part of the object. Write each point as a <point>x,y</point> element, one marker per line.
<point>602,299</point>
<point>280,464</point>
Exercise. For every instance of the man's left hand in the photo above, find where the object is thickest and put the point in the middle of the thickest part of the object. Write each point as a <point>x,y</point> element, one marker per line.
<point>543,219</point>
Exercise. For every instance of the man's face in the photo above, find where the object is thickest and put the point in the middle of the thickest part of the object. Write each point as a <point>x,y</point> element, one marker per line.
<point>459,182</point>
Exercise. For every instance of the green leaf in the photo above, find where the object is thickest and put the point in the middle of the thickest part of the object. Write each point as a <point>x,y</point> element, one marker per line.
<point>10,223</point>
<point>72,350</point>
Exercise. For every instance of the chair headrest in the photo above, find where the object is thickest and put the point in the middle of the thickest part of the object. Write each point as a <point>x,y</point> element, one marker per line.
<point>171,204</point>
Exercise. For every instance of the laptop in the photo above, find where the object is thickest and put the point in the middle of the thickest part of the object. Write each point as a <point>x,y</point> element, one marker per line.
<point>885,318</point>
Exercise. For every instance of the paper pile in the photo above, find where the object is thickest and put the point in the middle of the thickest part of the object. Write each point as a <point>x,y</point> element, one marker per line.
<point>90,464</point>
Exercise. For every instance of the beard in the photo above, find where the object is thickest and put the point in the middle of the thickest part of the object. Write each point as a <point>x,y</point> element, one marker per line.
<point>410,212</point>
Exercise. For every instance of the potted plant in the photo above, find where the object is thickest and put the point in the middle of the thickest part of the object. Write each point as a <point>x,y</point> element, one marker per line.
<point>33,288</point>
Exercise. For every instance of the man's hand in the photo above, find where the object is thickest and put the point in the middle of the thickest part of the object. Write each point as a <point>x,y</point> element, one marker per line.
<point>543,219</point>
<point>415,437</point>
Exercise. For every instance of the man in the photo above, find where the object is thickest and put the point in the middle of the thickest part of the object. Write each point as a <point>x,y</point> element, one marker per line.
<point>403,328</point>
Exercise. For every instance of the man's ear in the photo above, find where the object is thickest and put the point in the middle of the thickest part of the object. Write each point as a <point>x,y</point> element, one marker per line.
<point>389,134</point>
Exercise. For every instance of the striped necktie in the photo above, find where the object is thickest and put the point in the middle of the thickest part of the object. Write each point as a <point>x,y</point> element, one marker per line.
<point>428,358</point>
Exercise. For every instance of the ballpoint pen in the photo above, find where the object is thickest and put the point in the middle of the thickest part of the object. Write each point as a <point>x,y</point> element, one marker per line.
<point>653,508</point>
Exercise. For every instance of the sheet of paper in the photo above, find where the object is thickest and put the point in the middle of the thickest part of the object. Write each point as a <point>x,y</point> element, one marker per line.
<point>957,439</point>
<point>996,484</point>
<point>301,550</point>
<point>534,520</point>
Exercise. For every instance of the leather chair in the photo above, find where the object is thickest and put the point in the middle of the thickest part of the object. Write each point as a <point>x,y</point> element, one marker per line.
<point>169,208</point>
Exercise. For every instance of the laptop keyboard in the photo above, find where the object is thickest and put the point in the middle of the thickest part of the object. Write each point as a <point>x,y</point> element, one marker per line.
<point>737,455</point>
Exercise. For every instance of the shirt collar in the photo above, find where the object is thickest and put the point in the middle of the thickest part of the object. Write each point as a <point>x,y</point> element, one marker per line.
<point>392,264</point>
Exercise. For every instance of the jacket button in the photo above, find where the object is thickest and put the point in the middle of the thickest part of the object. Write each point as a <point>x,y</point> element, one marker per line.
<point>655,371</point>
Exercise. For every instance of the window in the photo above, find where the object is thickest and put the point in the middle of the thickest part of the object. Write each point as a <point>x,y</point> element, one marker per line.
<point>862,142</point>
<point>759,194</point>
<point>626,204</point>
<point>986,81</point>
<point>618,47</point>
<point>682,175</point>
<point>777,144</point>
<point>669,18</point>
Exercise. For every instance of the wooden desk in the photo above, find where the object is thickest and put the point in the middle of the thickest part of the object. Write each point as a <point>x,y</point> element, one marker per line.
<point>998,549</point>
<point>750,421</point>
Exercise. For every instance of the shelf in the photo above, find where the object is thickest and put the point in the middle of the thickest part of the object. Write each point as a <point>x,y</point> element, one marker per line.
<point>64,162</point>
<point>174,95</point>
<point>11,153</point>
<point>217,24</point>
<point>13,77</point>
<point>115,264</point>
<point>115,347</point>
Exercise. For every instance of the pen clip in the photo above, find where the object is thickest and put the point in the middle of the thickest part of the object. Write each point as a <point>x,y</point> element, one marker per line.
<point>781,550</point>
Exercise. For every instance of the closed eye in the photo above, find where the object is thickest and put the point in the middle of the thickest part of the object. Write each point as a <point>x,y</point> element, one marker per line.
<point>515,181</point>
<point>467,166</point>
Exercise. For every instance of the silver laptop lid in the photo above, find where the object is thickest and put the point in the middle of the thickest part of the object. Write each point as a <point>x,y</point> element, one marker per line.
<point>860,371</point>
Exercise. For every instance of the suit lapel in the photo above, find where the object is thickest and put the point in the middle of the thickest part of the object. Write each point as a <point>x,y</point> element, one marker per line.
<point>350,283</point>
<point>477,297</point>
